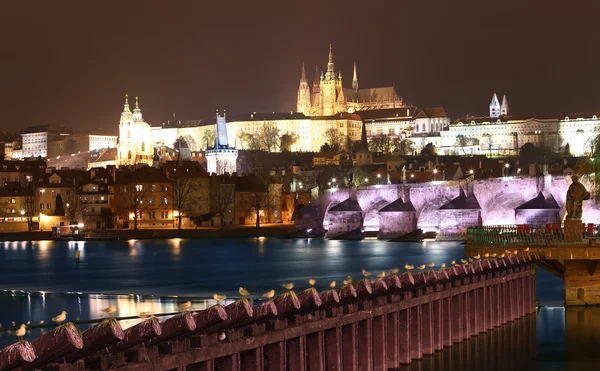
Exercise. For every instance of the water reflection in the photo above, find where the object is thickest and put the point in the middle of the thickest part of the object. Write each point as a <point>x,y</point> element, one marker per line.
<point>507,348</point>
<point>582,338</point>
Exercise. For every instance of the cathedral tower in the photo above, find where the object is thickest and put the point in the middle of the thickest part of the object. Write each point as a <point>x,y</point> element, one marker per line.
<point>316,91</point>
<point>331,85</point>
<point>495,107</point>
<point>135,137</point>
<point>303,104</point>
<point>504,108</point>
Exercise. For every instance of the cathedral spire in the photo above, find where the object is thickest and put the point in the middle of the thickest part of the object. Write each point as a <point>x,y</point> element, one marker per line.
<point>137,112</point>
<point>355,80</point>
<point>330,65</point>
<point>303,78</point>
<point>316,79</point>
<point>504,107</point>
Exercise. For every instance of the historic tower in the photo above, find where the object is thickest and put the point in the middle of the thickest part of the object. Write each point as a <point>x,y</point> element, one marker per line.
<point>495,107</point>
<point>504,108</point>
<point>331,85</point>
<point>316,92</point>
<point>355,81</point>
<point>221,158</point>
<point>303,94</point>
<point>135,137</point>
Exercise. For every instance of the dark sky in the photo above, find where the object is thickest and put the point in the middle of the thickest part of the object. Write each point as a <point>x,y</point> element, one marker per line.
<point>71,62</point>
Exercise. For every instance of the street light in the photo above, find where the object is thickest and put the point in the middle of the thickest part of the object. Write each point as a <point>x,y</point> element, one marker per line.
<point>333,180</point>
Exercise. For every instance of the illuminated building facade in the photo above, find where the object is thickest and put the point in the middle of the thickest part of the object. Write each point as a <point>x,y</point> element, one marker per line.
<point>221,158</point>
<point>135,137</point>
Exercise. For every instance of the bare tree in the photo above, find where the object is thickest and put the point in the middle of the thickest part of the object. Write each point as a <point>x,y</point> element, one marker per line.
<point>184,193</point>
<point>72,204</point>
<point>29,207</point>
<point>269,136</point>
<point>225,199</point>
<point>333,137</point>
<point>134,200</point>
<point>287,140</point>
<point>208,138</point>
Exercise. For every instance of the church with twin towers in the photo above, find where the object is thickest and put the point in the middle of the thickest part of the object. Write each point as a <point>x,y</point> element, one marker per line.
<point>327,96</point>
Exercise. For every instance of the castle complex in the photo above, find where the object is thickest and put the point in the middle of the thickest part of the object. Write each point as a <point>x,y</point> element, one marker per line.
<point>329,97</point>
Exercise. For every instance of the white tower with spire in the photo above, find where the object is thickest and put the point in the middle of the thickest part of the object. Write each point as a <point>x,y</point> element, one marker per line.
<point>221,158</point>
<point>495,107</point>
<point>135,137</point>
<point>504,108</point>
<point>355,80</point>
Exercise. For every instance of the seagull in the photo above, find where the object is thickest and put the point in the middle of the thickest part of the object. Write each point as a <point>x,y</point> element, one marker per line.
<point>348,280</point>
<point>381,275</point>
<point>13,324</point>
<point>243,292</point>
<point>453,262</point>
<point>21,332</point>
<point>486,255</point>
<point>470,260</point>
<point>431,265</point>
<point>28,323</point>
<point>494,255</point>
<point>185,306</point>
<point>60,318</point>
<point>515,252</point>
<point>526,249</point>
<point>463,261</point>
<point>409,267</point>
<point>332,285</point>
<point>477,257</point>
<point>110,310</point>
<point>443,266</point>
<point>365,273</point>
<point>311,282</point>
<point>288,286</point>
<point>502,256</point>
<point>219,298</point>
<point>222,336</point>
<point>421,267</point>
<point>269,294</point>
<point>394,271</point>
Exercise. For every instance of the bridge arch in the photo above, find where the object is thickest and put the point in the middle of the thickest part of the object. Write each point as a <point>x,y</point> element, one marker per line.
<point>428,217</point>
<point>500,209</point>
<point>371,215</point>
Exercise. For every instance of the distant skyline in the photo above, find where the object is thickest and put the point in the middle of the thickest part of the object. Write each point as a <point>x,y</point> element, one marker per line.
<point>71,63</point>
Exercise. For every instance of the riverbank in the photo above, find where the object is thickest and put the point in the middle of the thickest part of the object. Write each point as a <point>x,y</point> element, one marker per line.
<point>240,231</point>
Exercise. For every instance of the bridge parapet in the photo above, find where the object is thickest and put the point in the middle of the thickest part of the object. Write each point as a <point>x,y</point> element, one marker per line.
<point>370,325</point>
<point>525,235</point>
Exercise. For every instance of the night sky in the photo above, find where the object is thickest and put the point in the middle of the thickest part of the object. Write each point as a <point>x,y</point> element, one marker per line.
<point>71,63</point>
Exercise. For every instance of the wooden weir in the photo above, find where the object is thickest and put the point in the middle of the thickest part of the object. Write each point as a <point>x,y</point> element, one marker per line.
<point>368,325</point>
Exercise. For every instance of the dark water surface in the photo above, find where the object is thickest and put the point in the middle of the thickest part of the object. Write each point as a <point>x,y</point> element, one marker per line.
<point>42,278</point>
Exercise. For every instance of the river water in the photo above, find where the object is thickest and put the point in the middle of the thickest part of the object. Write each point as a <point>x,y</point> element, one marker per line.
<point>40,279</point>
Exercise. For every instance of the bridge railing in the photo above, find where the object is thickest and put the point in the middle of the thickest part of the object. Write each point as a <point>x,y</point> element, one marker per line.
<point>524,234</point>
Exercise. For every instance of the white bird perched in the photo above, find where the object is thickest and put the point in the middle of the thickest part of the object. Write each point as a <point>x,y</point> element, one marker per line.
<point>502,256</point>
<point>60,318</point>
<point>493,255</point>
<point>394,271</point>
<point>243,292</point>
<point>21,332</point>
<point>431,265</point>
<point>515,252</point>
<point>219,298</point>
<point>288,286</point>
<point>470,260</point>
<point>365,273</point>
<point>28,323</point>
<point>477,257</point>
<point>443,265</point>
<point>185,306</point>
<point>421,267</point>
<point>463,261</point>
<point>409,267</point>
<point>526,249</point>
<point>348,280</point>
<point>14,323</point>
<point>332,285</point>
<point>311,282</point>
<point>381,275</point>
<point>41,322</point>
<point>486,255</point>
<point>453,262</point>
<point>110,310</point>
<point>269,294</point>
<point>222,336</point>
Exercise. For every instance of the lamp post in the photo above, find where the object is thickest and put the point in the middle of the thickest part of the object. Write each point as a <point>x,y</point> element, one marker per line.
<point>378,177</point>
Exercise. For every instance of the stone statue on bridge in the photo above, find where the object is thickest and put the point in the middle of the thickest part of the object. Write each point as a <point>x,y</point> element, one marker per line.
<point>575,197</point>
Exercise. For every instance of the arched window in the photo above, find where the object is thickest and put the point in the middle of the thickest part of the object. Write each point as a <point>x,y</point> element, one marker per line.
<point>128,134</point>
<point>143,146</point>
<point>129,155</point>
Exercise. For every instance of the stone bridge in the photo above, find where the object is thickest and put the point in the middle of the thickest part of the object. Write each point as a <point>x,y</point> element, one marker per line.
<point>447,207</point>
<point>366,325</point>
